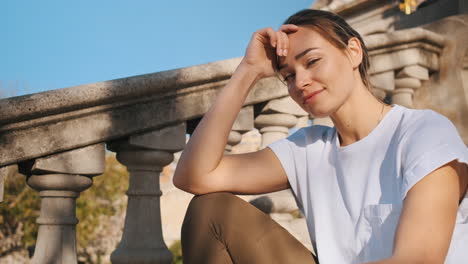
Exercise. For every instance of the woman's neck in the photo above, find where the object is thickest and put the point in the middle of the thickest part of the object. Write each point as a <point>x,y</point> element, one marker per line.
<point>358,116</point>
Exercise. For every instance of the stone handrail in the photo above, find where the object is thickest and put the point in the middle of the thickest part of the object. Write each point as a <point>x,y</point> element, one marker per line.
<point>58,137</point>
<point>113,109</point>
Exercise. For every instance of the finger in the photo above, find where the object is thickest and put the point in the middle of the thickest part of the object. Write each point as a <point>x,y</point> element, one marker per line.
<point>265,35</point>
<point>270,34</point>
<point>280,43</point>
<point>289,28</point>
<point>285,43</point>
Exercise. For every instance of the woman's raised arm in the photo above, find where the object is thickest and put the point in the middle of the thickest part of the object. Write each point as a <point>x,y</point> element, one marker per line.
<point>203,167</point>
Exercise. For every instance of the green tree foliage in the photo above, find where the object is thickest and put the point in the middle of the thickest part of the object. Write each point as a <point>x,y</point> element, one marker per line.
<point>176,249</point>
<point>18,213</point>
<point>95,204</point>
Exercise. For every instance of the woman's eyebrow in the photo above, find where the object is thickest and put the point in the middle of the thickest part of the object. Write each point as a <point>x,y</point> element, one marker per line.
<point>298,56</point>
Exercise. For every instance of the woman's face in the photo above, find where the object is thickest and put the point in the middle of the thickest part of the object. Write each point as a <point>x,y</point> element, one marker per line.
<point>319,76</point>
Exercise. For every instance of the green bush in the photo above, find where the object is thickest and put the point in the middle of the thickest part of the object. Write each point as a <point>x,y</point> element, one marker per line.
<point>18,213</point>
<point>100,200</point>
<point>176,249</point>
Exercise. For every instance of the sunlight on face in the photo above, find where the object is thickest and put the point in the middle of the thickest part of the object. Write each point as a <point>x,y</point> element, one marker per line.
<point>319,76</point>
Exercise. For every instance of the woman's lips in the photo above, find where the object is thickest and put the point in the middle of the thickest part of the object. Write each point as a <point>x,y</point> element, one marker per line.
<point>310,97</point>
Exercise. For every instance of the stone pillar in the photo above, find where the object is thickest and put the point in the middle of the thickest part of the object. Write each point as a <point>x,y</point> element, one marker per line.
<point>382,84</point>
<point>302,121</point>
<point>379,93</point>
<point>3,176</point>
<point>145,156</point>
<point>59,179</point>
<point>403,96</point>
<point>242,124</point>
<point>274,126</point>
<point>235,137</point>
<point>276,118</point>
<point>407,81</point>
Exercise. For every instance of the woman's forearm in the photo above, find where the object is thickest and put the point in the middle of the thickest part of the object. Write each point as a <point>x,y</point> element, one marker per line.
<point>205,148</point>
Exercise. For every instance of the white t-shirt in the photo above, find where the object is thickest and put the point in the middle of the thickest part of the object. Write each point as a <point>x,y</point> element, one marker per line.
<point>352,196</point>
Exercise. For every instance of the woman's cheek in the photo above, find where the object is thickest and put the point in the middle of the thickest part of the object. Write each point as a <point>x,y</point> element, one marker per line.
<point>324,71</point>
<point>295,96</point>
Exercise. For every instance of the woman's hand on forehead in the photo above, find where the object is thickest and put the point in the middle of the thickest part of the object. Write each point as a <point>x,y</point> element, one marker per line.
<point>264,49</point>
<point>282,40</point>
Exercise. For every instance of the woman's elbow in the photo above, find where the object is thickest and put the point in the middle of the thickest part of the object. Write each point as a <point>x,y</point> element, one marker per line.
<point>188,186</point>
<point>179,182</point>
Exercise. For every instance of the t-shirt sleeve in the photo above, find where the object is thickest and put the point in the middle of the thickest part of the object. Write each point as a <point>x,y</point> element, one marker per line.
<point>432,141</point>
<point>283,151</point>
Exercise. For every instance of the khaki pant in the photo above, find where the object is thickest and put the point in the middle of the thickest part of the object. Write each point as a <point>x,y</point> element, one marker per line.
<point>221,228</point>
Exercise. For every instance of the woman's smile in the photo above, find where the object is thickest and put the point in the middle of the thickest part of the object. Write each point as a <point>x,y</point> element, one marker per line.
<point>307,99</point>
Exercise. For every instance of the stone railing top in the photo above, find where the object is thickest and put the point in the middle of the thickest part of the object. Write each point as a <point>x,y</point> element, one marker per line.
<point>398,49</point>
<point>379,43</point>
<point>31,106</point>
<point>41,124</point>
<point>338,6</point>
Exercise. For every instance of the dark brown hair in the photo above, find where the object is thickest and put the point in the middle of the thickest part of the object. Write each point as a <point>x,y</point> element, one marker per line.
<point>334,29</point>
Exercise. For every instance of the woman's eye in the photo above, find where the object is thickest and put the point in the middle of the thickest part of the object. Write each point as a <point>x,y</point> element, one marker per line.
<point>311,62</point>
<point>288,77</point>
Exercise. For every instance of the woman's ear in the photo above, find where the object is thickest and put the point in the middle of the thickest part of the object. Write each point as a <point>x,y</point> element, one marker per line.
<point>355,51</point>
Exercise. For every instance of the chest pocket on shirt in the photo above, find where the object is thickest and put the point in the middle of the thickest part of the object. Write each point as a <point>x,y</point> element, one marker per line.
<point>380,222</point>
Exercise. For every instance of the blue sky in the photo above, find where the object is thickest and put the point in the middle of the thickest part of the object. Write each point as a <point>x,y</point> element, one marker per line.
<point>52,44</point>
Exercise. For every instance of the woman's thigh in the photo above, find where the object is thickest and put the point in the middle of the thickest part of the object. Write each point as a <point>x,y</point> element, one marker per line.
<point>222,228</point>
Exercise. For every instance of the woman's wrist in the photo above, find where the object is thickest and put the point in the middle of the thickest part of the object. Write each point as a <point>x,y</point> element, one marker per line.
<point>249,71</point>
<point>245,76</point>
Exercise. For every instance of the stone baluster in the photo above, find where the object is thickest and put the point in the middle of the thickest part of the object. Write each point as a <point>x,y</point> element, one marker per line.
<point>274,126</point>
<point>60,178</point>
<point>145,156</point>
<point>303,121</point>
<point>3,175</point>
<point>382,84</point>
<point>379,93</point>
<point>235,137</point>
<point>242,124</point>
<point>407,81</point>
<point>276,118</point>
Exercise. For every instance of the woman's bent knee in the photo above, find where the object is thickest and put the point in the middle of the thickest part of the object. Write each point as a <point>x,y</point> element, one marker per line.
<point>209,205</point>
<point>208,198</point>
<point>210,210</point>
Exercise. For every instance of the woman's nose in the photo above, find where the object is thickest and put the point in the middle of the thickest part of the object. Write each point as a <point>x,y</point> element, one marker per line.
<point>302,80</point>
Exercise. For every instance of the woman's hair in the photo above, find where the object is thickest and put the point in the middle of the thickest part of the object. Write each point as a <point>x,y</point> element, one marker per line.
<point>335,29</point>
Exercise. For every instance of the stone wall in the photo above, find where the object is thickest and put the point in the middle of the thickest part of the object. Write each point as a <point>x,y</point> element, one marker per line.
<point>447,90</point>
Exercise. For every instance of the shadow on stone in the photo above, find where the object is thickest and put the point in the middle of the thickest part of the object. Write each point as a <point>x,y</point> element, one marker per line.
<point>264,203</point>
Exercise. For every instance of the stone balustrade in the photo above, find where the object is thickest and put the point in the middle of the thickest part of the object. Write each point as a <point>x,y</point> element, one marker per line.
<point>58,137</point>
<point>242,124</point>
<point>60,178</point>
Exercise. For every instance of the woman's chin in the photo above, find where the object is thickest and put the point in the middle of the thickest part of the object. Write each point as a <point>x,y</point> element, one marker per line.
<point>318,112</point>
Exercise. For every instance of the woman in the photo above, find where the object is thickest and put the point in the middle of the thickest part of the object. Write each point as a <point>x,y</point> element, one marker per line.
<point>387,184</point>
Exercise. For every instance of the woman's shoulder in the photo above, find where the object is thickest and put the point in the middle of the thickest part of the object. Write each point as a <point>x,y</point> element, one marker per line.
<point>419,122</point>
<point>425,131</point>
<point>421,115</point>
